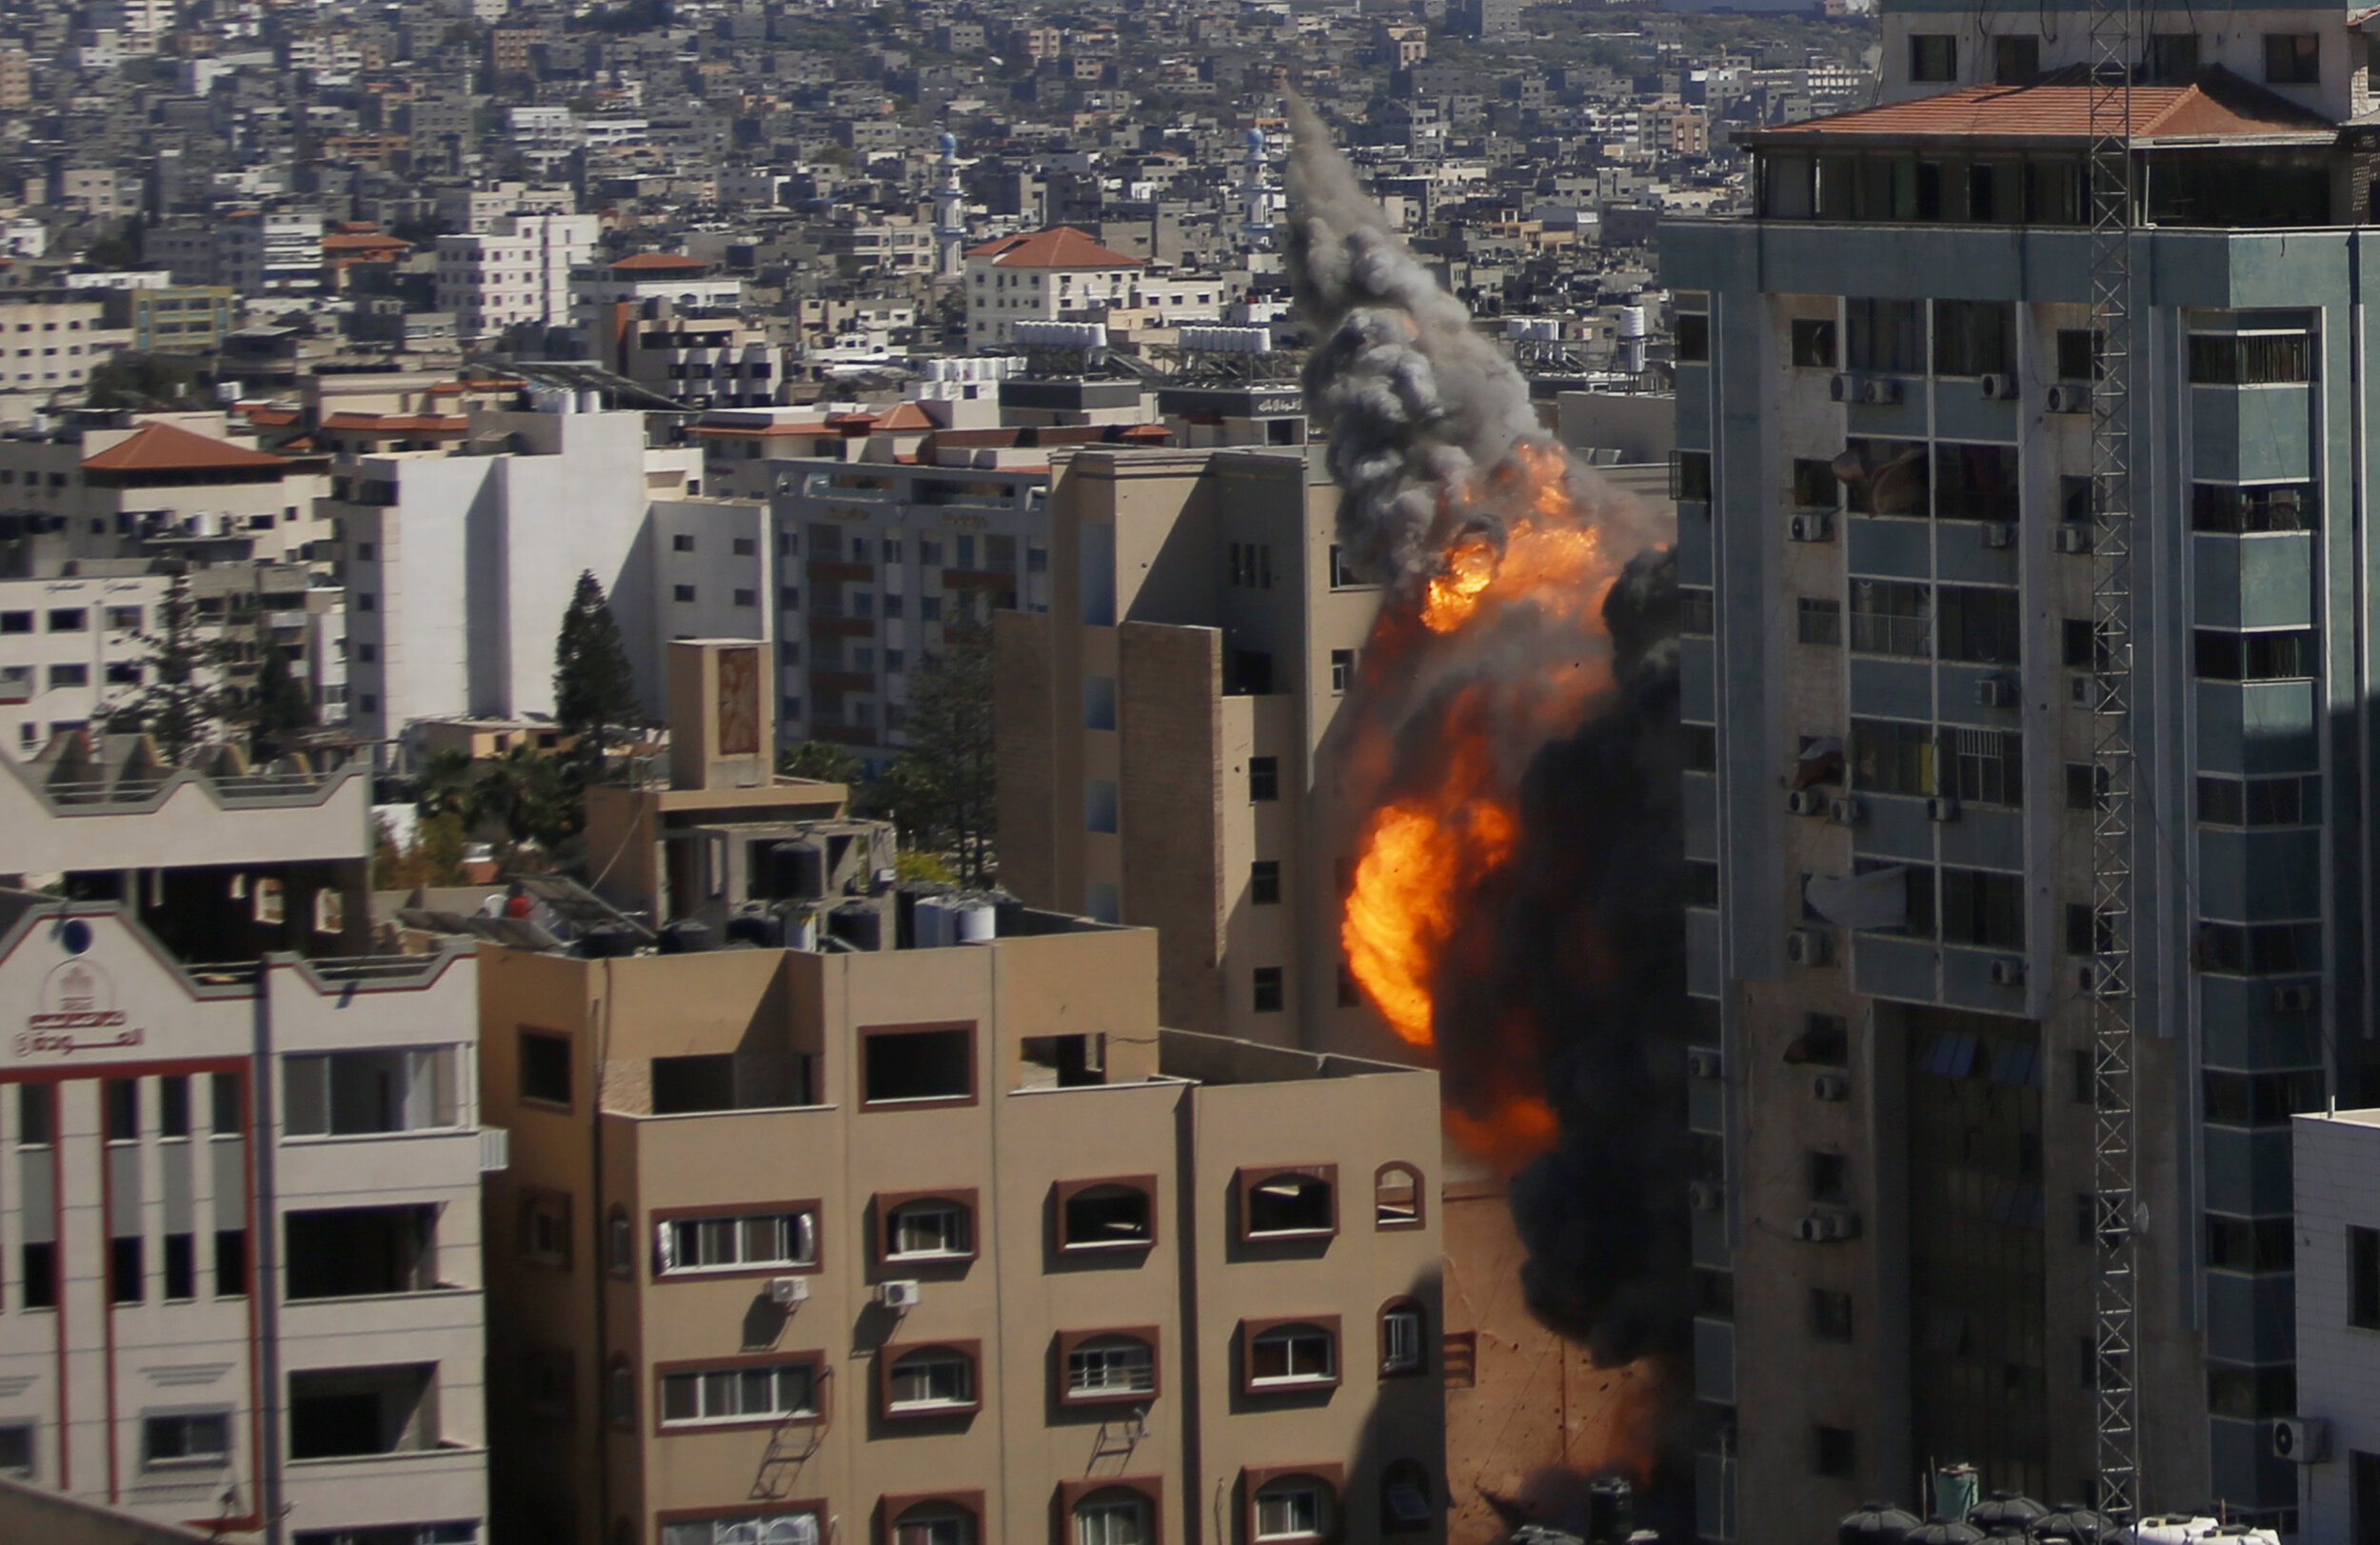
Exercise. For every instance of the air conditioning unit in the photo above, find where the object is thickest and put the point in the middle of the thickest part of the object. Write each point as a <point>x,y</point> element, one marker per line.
<point>1813,525</point>
<point>2073,536</point>
<point>2298,998</point>
<point>2007,973</point>
<point>1881,391</point>
<point>1806,947</point>
<point>1806,801</point>
<point>1843,388</point>
<point>1705,1196</point>
<point>1702,1062</point>
<point>1831,1087</point>
<point>2068,399</point>
<point>1943,807</point>
<point>1997,692</point>
<point>785,1292</point>
<point>1999,387</point>
<point>1810,1230</point>
<point>1999,533</point>
<point>2301,1440</point>
<point>900,1295</point>
<point>1848,811</point>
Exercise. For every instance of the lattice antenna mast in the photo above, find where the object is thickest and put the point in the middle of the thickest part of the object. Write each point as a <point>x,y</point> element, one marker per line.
<point>2115,1155</point>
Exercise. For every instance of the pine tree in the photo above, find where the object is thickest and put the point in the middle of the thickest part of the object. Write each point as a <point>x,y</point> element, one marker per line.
<point>181,704</point>
<point>944,780</point>
<point>594,690</point>
<point>281,707</point>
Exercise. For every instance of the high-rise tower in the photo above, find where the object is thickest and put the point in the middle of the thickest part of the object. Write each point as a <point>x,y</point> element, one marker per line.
<point>950,219</point>
<point>1255,196</point>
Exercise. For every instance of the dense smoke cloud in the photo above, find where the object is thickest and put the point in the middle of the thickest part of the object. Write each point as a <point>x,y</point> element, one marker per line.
<point>1511,749</point>
<point>1415,398</point>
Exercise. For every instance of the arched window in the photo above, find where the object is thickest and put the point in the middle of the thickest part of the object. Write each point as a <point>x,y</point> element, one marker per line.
<point>1289,1203</point>
<point>1404,1498</point>
<point>1397,1197</point>
<point>1292,1508</point>
<point>1292,1355</point>
<point>1107,1215</point>
<point>1404,1343</point>
<point>1108,1365</point>
<point>929,1380</point>
<point>1115,1515</point>
<point>934,1523</point>
<point>927,1228</point>
<point>795,1527</point>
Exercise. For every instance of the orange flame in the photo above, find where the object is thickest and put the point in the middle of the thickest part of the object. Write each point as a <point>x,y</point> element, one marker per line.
<point>1424,854</point>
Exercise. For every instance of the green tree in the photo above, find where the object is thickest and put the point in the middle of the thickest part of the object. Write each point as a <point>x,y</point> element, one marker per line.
<point>942,787</point>
<point>281,707</point>
<point>594,690</point>
<point>442,787</point>
<point>131,378</point>
<point>182,702</point>
<point>825,761</point>
<point>535,797</point>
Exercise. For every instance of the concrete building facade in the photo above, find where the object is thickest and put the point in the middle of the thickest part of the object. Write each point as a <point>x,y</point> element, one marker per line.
<point>1890,692</point>
<point>516,272</point>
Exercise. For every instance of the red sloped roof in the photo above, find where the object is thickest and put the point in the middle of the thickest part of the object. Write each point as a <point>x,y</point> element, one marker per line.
<point>364,241</point>
<point>905,416</point>
<point>168,447</point>
<point>1060,246</point>
<point>2216,105</point>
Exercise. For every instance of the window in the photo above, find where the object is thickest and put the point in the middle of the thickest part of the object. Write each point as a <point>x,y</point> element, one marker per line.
<point>2254,657</point>
<point>339,1412</point>
<point>1115,1515</point>
<point>2251,1392</point>
<point>681,543</point>
<point>929,1380</point>
<point>69,676</point>
<point>776,1526</point>
<point>1689,476</point>
<point>2261,1098</point>
<point>1696,619</point>
<point>192,1440</point>
<point>354,1251</point>
<point>683,593</point>
<point>1813,343</point>
<point>16,622</point>
<point>1397,1197</point>
<point>2015,61</point>
<point>1814,485</point>
<point>1264,882</point>
<point>1819,621</point>
<point>173,1105</point>
<point>344,1093</point>
<point>1104,1366</point>
<point>1979,625</point>
<point>1251,566</point>
<point>1892,617</point>
<point>2250,358</point>
<point>1974,483</point>
<point>124,618</point>
<point>1099,702</point>
<point>2078,351</point>
<point>1344,575</point>
<point>1107,1215</point>
<point>740,1392</point>
<point>2230,509</point>
<point>2252,1244</point>
<point>2264,949</point>
<point>1342,670</point>
<point>775,1239</point>
<point>1972,337</point>
<point>1983,908</point>
<point>125,1280</point>
<point>546,1226</point>
<point>1282,1355</point>
<point>1267,994</point>
<point>1403,1333</point>
<point>1288,1201</point>
<point>1830,1314</point>
<point>230,1264</point>
<point>1694,337</point>
<point>1933,56</point>
<point>1293,1507</point>
<point>1264,778</point>
<point>930,1228</point>
<point>742,547</point>
<point>69,620</point>
<point>1886,336</point>
<point>120,1102</point>
<point>545,1067</point>
<point>911,1066</point>
<point>933,1522</point>
<point>16,1450</point>
<point>2292,59</point>
<point>2261,802</point>
<point>1827,1175</point>
<point>1834,1451</point>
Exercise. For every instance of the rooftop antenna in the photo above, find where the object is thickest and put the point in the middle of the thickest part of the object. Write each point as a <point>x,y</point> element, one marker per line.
<point>2115,1156</point>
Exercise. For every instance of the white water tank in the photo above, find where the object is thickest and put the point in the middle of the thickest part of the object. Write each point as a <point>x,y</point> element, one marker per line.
<point>973,922</point>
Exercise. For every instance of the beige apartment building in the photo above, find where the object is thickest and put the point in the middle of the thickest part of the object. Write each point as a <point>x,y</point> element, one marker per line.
<point>932,1233</point>
<point>1161,723</point>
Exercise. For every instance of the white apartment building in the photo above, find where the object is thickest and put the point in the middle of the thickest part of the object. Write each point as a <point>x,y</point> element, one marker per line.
<point>458,568</point>
<point>68,645</point>
<point>242,1233</point>
<point>516,272</point>
<point>50,345</point>
<point>1062,274</point>
<point>477,209</point>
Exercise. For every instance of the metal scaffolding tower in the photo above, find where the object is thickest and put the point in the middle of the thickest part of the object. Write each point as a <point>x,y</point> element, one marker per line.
<point>2117,1298</point>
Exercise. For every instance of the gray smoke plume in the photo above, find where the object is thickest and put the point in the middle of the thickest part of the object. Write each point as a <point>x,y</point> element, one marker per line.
<point>1413,399</point>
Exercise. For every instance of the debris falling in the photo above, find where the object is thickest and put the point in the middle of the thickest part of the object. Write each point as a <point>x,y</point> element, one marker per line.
<point>1511,747</point>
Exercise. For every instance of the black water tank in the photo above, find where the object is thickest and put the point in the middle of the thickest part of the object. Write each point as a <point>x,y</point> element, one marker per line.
<point>1875,1523</point>
<point>2005,1514</point>
<point>1941,1531</point>
<point>1611,1510</point>
<point>765,929</point>
<point>687,937</point>
<point>861,927</point>
<point>608,940</point>
<point>2074,1524</point>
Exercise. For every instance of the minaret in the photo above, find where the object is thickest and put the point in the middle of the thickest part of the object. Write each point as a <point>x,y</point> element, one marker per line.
<point>1256,228</point>
<point>950,224</point>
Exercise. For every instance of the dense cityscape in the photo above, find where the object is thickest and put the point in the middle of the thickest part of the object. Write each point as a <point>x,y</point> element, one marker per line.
<point>949,773</point>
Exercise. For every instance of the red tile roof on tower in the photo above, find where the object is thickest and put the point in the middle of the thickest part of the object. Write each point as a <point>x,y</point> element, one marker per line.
<point>1060,246</point>
<point>168,447</point>
<point>2214,105</point>
<point>658,263</point>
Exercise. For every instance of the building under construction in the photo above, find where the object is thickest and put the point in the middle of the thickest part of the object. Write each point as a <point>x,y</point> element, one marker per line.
<point>2022,461</point>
